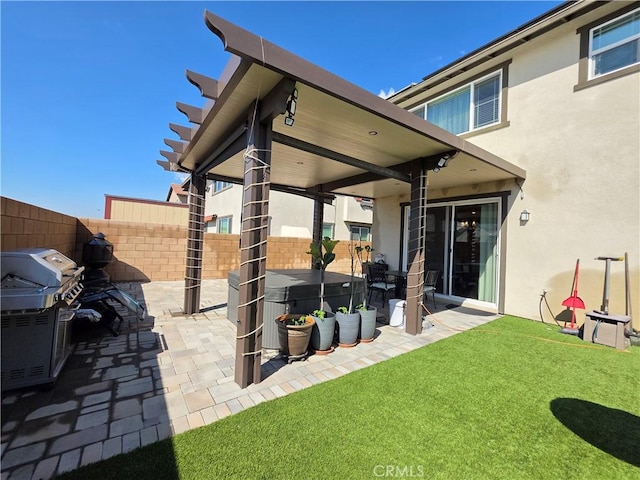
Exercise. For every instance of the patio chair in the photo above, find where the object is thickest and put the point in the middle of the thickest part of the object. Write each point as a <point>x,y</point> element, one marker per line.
<point>378,282</point>
<point>430,281</point>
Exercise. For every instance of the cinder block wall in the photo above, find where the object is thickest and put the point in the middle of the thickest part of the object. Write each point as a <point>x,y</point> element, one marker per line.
<point>27,226</point>
<point>292,253</point>
<point>146,251</point>
<point>142,251</point>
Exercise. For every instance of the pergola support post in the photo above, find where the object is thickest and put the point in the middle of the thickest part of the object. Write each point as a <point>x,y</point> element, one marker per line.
<point>253,251</point>
<point>416,248</point>
<point>318,221</point>
<point>195,238</point>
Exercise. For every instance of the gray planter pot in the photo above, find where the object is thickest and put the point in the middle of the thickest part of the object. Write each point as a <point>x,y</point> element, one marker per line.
<point>368,323</point>
<point>322,333</point>
<point>348,328</point>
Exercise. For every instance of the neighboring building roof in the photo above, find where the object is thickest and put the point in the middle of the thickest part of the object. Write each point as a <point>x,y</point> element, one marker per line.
<point>176,189</point>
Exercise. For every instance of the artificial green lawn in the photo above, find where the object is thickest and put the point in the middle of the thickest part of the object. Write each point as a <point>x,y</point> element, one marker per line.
<point>513,399</point>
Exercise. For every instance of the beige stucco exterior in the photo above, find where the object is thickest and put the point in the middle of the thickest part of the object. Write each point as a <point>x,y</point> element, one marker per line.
<point>289,215</point>
<point>146,211</point>
<point>581,151</point>
<point>177,194</point>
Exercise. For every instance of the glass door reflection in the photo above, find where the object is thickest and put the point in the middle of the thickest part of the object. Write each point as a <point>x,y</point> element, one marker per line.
<point>474,239</point>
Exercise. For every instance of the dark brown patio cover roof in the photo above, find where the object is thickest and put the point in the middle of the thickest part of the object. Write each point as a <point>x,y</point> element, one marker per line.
<point>344,138</point>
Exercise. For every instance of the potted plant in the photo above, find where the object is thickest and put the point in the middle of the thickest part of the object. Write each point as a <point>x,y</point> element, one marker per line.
<point>368,314</point>
<point>294,333</point>
<point>348,318</point>
<point>324,328</point>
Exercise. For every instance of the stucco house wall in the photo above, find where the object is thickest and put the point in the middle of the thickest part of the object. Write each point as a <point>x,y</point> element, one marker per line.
<point>289,215</point>
<point>127,209</point>
<point>581,150</point>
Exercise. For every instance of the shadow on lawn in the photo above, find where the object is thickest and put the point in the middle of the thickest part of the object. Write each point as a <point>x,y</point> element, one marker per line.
<point>613,431</point>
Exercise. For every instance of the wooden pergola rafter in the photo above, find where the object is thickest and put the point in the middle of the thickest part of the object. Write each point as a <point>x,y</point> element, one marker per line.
<point>340,139</point>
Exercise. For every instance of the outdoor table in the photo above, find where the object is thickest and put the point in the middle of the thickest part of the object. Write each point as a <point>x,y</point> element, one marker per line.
<point>400,279</point>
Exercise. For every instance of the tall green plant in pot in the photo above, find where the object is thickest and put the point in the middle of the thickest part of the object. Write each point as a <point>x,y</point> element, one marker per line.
<point>348,317</point>
<point>323,330</point>
<point>368,314</point>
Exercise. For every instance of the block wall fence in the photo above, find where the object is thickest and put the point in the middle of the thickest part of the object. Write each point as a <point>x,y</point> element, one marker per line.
<point>145,251</point>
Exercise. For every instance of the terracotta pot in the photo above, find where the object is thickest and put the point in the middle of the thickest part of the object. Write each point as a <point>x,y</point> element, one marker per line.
<point>348,328</point>
<point>294,339</point>
<point>322,333</point>
<point>368,323</point>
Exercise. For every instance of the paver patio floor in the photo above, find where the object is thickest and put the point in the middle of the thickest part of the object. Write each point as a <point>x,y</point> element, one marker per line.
<point>167,374</point>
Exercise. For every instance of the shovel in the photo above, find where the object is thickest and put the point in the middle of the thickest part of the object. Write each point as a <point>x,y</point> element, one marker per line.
<point>574,301</point>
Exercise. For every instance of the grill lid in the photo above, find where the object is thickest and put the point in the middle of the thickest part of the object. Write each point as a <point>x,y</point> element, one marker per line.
<point>46,267</point>
<point>38,278</point>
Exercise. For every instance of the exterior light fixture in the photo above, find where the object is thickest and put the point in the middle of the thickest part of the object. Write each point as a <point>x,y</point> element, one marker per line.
<point>524,216</point>
<point>373,132</point>
<point>292,103</point>
<point>441,163</point>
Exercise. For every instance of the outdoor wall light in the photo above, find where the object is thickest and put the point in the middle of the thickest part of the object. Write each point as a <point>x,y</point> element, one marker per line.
<point>441,163</point>
<point>292,103</point>
<point>524,216</point>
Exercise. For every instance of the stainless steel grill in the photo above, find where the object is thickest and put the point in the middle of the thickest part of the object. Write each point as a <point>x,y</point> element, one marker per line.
<point>38,288</point>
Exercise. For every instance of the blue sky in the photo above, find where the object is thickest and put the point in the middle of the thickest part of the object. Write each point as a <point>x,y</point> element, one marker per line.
<point>89,88</point>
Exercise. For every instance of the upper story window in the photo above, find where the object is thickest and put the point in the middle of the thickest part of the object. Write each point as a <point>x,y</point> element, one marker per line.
<point>609,47</point>
<point>615,44</point>
<point>218,186</point>
<point>470,107</point>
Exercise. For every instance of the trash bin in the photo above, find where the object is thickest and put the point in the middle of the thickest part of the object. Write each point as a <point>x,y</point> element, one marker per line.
<point>396,312</point>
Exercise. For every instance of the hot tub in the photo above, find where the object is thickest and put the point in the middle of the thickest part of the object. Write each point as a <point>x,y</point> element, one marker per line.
<point>293,291</point>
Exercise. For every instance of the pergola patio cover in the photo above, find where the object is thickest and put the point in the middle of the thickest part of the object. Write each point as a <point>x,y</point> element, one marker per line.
<point>342,140</point>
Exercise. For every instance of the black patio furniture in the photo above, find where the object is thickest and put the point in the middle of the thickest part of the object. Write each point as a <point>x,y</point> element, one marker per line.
<point>430,281</point>
<point>378,281</point>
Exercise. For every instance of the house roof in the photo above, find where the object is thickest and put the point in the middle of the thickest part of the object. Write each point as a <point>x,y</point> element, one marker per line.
<point>556,17</point>
<point>344,139</point>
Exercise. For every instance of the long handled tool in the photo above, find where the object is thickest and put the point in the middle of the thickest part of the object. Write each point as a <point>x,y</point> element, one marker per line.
<point>604,309</point>
<point>574,301</point>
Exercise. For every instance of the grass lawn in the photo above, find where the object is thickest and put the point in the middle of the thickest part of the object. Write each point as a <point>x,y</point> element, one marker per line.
<point>513,399</point>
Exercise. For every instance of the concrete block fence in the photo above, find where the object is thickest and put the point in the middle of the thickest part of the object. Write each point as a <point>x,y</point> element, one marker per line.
<point>145,251</point>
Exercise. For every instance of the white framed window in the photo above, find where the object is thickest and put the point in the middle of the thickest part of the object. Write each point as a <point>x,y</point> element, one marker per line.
<point>224,225</point>
<point>360,233</point>
<point>218,186</point>
<point>614,45</point>
<point>470,107</point>
<point>327,230</point>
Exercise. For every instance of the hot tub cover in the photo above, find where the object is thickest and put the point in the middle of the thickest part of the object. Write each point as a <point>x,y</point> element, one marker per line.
<point>283,286</point>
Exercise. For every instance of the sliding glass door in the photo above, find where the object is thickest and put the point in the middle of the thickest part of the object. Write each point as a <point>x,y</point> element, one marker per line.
<point>437,241</point>
<point>462,243</point>
<point>474,253</point>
